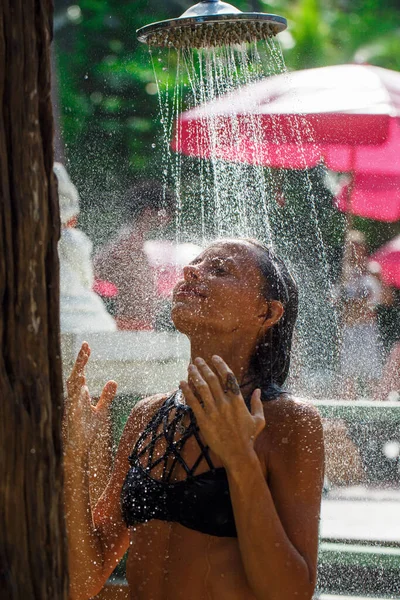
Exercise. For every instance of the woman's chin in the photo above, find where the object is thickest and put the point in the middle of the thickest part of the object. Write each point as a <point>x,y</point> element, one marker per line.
<point>184,317</point>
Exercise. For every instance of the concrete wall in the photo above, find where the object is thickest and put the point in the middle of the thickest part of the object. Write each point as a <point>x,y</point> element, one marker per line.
<point>142,362</point>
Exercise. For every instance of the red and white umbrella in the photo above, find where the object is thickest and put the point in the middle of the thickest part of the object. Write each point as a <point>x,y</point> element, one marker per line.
<point>373,196</point>
<point>347,116</point>
<point>388,257</point>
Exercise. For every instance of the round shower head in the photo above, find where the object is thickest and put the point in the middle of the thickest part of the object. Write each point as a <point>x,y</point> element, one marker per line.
<point>211,23</point>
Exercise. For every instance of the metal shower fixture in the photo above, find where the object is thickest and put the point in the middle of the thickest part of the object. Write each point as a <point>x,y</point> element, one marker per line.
<point>211,23</point>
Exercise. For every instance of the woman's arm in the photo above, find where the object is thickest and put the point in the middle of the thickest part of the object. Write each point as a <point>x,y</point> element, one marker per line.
<point>85,557</point>
<point>277,522</point>
<point>97,539</point>
<point>107,515</point>
<point>81,422</point>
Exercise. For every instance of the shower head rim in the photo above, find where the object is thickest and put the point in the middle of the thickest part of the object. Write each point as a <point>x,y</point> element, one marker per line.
<point>144,32</point>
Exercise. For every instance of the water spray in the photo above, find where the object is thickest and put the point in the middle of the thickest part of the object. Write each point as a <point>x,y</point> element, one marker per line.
<point>212,23</point>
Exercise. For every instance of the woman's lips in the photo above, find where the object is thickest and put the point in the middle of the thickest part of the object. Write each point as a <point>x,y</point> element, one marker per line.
<point>186,291</point>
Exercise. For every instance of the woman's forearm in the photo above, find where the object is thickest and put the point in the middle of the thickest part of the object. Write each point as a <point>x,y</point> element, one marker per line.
<point>274,568</point>
<point>84,545</point>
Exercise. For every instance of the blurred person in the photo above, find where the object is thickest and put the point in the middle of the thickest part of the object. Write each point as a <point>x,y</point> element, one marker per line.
<point>124,262</point>
<point>389,385</point>
<point>388,311</point>
<point>81,309</point>
<point>343,464</point>
<point>358,294</point>
<point>216,487</point>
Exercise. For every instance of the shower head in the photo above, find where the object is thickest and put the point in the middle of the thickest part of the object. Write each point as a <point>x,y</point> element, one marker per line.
<point>211,23</point>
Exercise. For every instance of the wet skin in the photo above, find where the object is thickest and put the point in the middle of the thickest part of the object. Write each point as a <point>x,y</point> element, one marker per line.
<point>273,457</point>
<point>168,561</point>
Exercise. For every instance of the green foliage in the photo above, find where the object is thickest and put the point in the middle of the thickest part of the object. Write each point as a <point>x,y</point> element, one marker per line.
<point>109,100</point>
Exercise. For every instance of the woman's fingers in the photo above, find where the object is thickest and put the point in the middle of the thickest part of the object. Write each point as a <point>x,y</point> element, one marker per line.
<point>228,380</point>
<point>107,396</point>
<point>211,379</point>
<point>192,401</point>
<point>74,382</point>
<point>201,388</point>
<point>257,410</point>
<point>82,359</point>
<point>256,406</point>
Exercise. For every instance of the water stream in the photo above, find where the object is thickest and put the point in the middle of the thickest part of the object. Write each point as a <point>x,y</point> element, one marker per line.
<point>218,198</point>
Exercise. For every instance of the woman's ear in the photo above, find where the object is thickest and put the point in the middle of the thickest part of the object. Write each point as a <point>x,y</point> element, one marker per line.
<point>272,315</point>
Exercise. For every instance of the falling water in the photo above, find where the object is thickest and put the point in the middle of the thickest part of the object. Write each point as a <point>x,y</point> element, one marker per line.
<point>219,198</point>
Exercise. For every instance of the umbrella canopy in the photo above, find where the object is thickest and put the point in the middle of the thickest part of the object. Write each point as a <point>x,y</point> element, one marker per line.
<point>347,116</point>
<point>373,196</point>
<point>388,257</point>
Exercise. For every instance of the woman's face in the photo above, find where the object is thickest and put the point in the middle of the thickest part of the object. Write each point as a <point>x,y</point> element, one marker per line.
<point>220,292</point>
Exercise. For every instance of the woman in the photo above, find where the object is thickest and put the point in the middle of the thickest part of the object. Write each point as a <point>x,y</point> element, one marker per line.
<point>359,294</point>
<point>216,488</point>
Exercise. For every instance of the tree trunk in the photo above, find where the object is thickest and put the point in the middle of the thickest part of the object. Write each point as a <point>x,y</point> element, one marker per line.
<point>32,534</point>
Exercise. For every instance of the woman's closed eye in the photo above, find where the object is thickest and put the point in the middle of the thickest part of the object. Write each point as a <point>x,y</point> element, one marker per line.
<point>219,271</point>
<point>219,268</point>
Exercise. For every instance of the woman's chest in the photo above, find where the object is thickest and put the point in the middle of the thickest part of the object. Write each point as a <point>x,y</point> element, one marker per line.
<point>172,447</point>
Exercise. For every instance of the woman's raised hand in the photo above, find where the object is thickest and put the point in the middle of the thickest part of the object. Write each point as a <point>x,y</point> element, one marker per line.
<point>227,426</point>
<point>82,419</point>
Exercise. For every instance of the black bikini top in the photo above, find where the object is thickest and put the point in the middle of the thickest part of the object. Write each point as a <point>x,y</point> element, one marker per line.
<point>201,501</point>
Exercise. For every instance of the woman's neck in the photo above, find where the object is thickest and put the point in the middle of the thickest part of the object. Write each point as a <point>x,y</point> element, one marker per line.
<point>237,352</point>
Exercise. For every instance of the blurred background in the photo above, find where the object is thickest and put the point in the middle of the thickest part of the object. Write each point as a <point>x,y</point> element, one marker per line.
<point>109,130</point>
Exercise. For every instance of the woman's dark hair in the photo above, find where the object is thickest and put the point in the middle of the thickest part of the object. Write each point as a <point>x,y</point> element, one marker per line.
<point>271,360</point>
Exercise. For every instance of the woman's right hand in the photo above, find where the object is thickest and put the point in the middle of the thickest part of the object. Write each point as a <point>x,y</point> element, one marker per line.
<point>82,420</point>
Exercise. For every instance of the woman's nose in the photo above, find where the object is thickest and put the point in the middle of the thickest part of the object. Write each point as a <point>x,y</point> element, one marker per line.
<point>191,273</point>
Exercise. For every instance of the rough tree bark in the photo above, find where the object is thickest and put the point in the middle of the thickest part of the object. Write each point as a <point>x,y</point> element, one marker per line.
<point>32,535</point>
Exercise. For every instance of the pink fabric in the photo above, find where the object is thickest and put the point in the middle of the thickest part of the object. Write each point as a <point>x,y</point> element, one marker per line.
<point>106,289</point>
<point>388,256</point>
<point>347,116</point>
<point>373,197</point>
<point>167,260</point>
<point>166,277</point>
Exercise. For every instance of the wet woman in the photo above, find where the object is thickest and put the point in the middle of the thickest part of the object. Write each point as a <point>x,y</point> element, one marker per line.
<point>216,487</point>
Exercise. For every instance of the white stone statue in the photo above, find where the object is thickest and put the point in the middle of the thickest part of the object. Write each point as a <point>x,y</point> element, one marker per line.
<point>81,309</point>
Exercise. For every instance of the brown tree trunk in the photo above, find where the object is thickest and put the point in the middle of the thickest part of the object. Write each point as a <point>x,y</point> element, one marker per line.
<point>32,534</point>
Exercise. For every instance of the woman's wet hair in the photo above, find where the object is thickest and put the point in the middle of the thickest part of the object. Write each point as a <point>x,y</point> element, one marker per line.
<point>271,360</point>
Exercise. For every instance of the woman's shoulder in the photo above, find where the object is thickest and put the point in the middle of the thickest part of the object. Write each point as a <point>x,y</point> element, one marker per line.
<point>293,435</point>
<point>296,407</point>
<point>140,415</point>
<point>145,409</point>
<point>292,417</point>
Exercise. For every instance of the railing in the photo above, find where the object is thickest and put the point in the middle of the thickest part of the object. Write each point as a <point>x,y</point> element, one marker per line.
<point>360,523</point>
<point>360,526</point>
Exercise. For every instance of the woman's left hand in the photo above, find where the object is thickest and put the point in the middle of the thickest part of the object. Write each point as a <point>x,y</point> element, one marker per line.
<point>227,426</point>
